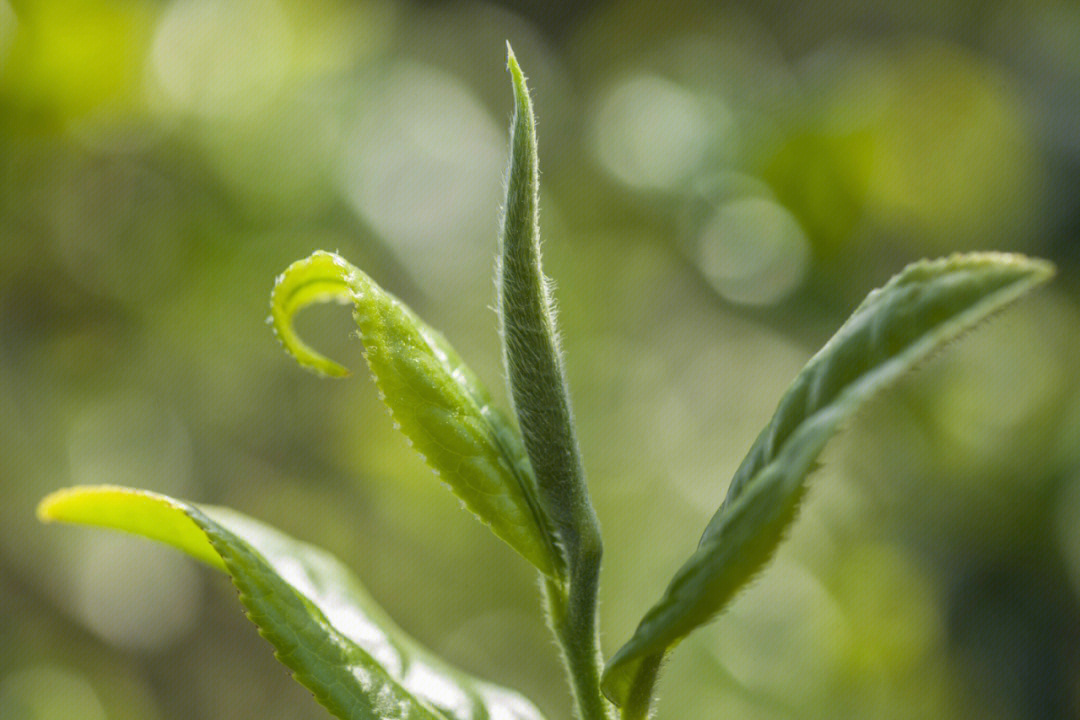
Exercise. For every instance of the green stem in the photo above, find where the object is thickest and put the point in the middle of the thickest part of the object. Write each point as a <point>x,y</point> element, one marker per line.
<point>573,619</point>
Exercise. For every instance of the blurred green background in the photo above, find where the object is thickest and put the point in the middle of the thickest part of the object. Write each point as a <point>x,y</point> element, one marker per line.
<point>722,183</point>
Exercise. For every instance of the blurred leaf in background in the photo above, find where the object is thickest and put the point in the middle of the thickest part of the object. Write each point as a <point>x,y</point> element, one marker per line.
<point>722,183</point>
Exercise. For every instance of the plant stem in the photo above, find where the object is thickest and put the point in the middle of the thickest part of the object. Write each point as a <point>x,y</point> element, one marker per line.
<point>571,612</point>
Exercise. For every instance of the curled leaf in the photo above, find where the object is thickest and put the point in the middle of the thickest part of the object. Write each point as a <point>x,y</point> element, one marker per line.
<point>436,400</point>
<point>898,325</point>
<point>321,622</point>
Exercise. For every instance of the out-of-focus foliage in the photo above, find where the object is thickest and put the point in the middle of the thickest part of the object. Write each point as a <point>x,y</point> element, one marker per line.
<point>722,183</point>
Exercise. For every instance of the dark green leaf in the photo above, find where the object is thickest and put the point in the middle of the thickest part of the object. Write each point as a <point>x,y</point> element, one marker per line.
<point>541,400</point>
<point>925,306</point>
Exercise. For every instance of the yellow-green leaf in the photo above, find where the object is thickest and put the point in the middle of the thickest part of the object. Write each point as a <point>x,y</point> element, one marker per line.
<point>436,400</point>
<point>322,623</point>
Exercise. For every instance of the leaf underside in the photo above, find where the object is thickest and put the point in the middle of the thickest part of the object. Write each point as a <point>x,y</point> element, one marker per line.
<point>435,399</point>
<point>321,622</point>
<point>897,326</point>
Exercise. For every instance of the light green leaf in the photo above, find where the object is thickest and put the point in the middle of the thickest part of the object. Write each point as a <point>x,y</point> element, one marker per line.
<point>436,401</point>
<point>925,306</point>
<point>322,623</point>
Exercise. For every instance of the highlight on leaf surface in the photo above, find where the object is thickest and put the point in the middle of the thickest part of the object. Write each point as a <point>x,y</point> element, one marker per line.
<point>897,326</point>
<point>322,623</point>
<point>436,400</point>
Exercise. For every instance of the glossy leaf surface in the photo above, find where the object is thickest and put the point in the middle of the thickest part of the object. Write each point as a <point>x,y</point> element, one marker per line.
<point>436,401</point>
<point>916,312</point>
<point>322,623</point>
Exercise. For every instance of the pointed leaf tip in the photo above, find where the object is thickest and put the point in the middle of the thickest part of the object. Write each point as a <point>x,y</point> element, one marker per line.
<point>523,102</point>
<point>511,61</point>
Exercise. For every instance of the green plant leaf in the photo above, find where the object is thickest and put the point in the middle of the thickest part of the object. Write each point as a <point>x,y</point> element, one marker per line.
<point>531,352</point>
<point>436,401</point>
<point>322,623</point>
<point>538,390</point>
<point>916,312</point>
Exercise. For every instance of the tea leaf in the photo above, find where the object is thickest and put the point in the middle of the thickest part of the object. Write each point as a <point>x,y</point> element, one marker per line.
<point>437,402</point>
<point>322,623</point>
<point>541,399</point>
<point>916,312</point>
<point>531,352</point>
